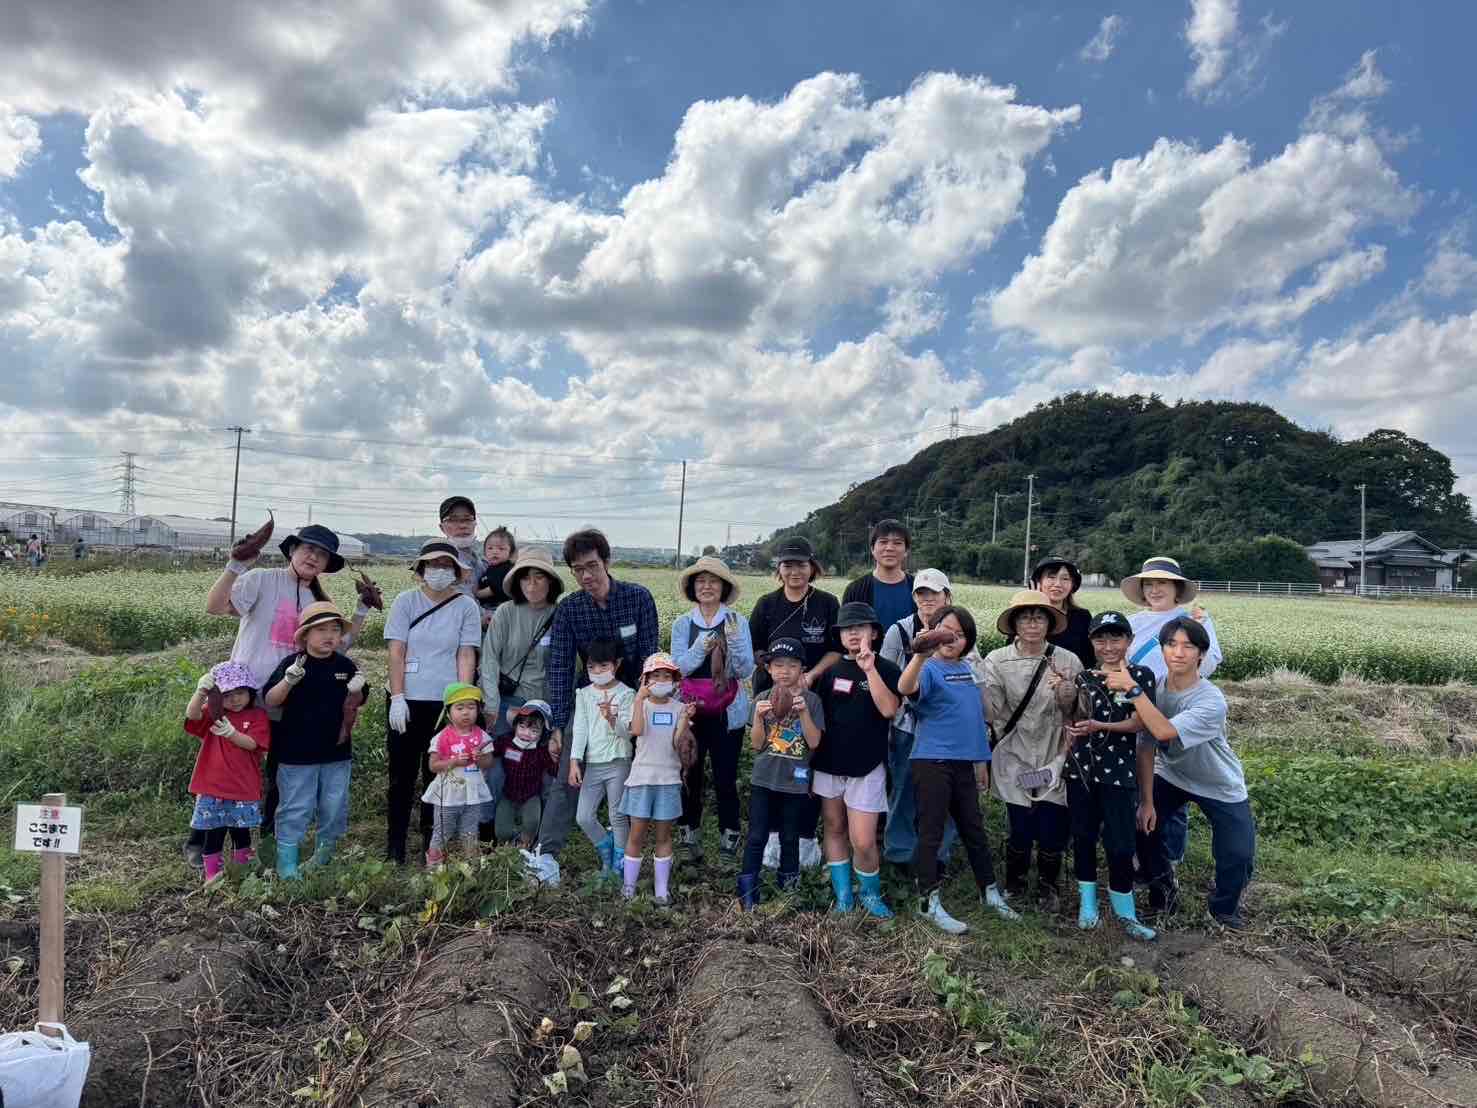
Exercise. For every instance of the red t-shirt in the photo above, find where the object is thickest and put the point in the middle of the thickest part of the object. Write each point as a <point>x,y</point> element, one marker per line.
<point>222,769</point>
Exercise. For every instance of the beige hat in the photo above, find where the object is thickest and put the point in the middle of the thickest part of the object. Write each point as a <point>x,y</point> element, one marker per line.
<point>708,564</point>
<point>1158,568</point>
<point>531,558</point>
<point>1031,598</point>
<point>321,611</point>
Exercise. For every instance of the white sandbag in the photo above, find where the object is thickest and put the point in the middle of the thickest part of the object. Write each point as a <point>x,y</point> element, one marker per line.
<point>544,868</point>
<point>40,1071</point>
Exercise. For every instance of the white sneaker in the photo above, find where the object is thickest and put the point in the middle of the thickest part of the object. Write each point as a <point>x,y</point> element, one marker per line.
<point>810,854</point>
<point>772,851</point>
<point>934,913</point>
<point>995,900</point>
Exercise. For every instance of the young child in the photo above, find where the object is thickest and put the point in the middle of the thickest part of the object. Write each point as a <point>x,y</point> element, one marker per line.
<point>600,758</point>
<point>859,697</point>
<point>314,753</point>
<point>652,800</point>
<point>1102,781</point>
<point>227,781</point>
<point>530,756</point>
<point>459,753</point>
<point>951,762</point>
<point>498,551</point>
<point>787,728</point>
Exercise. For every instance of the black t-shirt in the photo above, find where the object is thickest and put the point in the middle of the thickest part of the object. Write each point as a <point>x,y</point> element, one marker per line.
<point>1104,757</point>
<point>856,733</point>
<point>313,713</point>
<point>812,620</point>
<point>1075,639</point>
<point>492,578</point>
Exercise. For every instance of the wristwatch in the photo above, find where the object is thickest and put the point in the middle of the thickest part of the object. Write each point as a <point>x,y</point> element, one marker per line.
<point>1133,693</point>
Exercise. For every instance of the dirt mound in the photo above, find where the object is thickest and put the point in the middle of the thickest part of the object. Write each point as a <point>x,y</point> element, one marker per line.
<point>761,1041</point>
<point>463,1029</point>
<point>1347,1047</point>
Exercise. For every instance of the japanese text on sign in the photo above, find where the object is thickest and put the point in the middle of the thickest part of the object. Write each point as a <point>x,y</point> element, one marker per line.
<point>41,828</point>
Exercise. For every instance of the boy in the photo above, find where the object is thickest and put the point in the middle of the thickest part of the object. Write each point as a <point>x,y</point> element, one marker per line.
<point>787,728</point>
<point>314,690</point>
<point>888,588</point>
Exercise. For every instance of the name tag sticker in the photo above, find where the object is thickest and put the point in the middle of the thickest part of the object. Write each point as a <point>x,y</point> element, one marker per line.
<point>412,666</point>
<point>471,770</point>
<point>514,755</point>
<point>841,685</point>
<point>663,719</point>
<point>628,631</point>
<point>545,641</point>
<point>960,678</point>
<point>801,773</point>
<point>340,676</point>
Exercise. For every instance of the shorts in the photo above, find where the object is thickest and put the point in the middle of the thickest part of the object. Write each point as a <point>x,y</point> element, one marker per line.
<point>212,813</point>
<point>654,802</point>
<point>861,794</point>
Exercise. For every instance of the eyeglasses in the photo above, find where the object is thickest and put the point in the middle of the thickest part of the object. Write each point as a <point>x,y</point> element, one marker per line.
<point>586,569</point>
<point>460,521</point>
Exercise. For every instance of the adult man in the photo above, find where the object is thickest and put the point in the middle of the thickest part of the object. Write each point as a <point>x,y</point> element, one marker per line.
<point>602,608</point>
<point>458,517</point>
<point>888,588</point>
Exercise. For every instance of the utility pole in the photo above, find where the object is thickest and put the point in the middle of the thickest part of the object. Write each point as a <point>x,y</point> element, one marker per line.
<point>126,503</point>
<point>995,519</point>
<point>681,509</point>
<point>236,480</point>
<point>953,423</point>
<point>1030,503</point>
<point>1361,537</point>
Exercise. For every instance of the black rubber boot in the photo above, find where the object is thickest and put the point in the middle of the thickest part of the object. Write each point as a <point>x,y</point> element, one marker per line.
<point>1017,866</point>
<point>1048,873</point>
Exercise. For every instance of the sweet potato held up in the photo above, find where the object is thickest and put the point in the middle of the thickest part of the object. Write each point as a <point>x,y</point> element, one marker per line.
<point>370,594</point>
<point>249,547</point>
<point>780,702</point>
<point>929,641</point>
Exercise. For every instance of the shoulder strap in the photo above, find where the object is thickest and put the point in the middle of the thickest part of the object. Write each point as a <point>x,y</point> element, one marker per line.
<point>1020,709</point>
<point>537,635</point>
<point>429,612</point>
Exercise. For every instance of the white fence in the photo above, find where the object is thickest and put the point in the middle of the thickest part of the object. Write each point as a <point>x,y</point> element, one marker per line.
<point>1289,588</point>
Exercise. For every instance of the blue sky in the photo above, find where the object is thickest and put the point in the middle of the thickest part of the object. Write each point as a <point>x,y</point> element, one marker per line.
<point>541,251</point>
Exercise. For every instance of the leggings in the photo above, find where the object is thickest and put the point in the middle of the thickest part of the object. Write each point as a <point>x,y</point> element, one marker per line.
<point>1109,810</point>
<point>410,764</point>
<point>215,839</point>
<point>715,741</point>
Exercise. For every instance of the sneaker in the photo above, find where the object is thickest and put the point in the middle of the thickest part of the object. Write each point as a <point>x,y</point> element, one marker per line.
<point>996,901</point>
<point>934,913</point>
<point>810,854</point>
<point>772,851</point>
<point>728,844</point>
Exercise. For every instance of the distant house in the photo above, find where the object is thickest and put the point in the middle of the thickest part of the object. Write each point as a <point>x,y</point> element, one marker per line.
<point>1395,559</point>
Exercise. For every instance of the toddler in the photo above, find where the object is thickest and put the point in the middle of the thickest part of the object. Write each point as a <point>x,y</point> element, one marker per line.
<point>600,757</point>
<point>234,734</point>
<point>662,727</point>
<point>530,755</point>
<point>459,753</point>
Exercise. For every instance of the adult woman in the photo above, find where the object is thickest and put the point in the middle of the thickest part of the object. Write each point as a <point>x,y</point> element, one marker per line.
<point>515,649</point>
<point>1030,693</point>
<point>797,610</point>
<point>712,648</point>
<point>1058,579</point>
<point>433,633</point>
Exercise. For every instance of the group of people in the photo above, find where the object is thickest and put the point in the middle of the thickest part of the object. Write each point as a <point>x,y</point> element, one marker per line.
<point>516,714</point>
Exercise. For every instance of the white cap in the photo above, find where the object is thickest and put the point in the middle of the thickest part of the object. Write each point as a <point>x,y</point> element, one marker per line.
<point>934,579</point>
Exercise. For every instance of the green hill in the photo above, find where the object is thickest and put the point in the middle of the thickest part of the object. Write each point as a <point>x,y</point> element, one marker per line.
<point>1120,477</point>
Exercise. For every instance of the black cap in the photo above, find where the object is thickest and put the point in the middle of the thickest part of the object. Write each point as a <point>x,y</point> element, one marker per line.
<point>315,534</point>
<point>1051,561</point>
<point>453,502</point>
<point>1110,621</point>
<point>797,548</point>
<point>785,648</point>
<point>855,613</point>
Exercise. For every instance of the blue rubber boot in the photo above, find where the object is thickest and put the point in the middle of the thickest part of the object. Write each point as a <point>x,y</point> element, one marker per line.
<point>1087,917</point>
<point>841,885</point>
<point>1123,909</point>
<point>748,891</point>
<point>606,850</point>
<point>287,862</point>
<point>871,895</point>
<point>323,853</point>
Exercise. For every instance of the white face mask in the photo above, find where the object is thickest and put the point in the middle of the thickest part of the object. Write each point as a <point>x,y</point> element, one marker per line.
<point>464,542</point>
<point>604,677</point>
<point>438,579</point>
<point>661,688</point>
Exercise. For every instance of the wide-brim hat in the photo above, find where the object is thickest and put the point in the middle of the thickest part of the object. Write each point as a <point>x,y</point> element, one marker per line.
<point>315,535</point>
<point>321,611</point>
<point>857,613</point>
<point>1026,599</point>
<point>796,548</point>
<point>438,548</point>
<point>1158,568</point>
<point>708,564</point>
<point>531,707</point>
<point>1050,562</point>
<point>531,558</point>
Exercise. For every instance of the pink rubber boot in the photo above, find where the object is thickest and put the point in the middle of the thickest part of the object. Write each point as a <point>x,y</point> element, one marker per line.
<point>214,867</point>
<point>243,857</point>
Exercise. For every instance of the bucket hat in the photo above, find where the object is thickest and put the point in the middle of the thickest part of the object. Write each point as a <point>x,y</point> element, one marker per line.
<point>1051,561</point>
<point>708,564</point>
<point>314,534</point>
<point>532,558</point>
<point>229,676</point>
<point>1158,568</point>
<point>1031,598</point>
<point>439,548</point>
<point>855,613</point>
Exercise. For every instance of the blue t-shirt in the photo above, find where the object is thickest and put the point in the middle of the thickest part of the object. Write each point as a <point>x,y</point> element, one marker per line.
<point>950,714</point>
<point>892,602</point>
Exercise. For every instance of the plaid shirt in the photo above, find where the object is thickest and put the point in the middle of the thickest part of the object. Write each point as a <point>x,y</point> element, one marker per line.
<point>629,618</point>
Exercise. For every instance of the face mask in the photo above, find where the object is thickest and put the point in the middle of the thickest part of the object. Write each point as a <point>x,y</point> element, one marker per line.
<point>604,677</point>
<point>661,688</point>
<point>464,542</point>
<point>524,744</point>
<point>438,579</point>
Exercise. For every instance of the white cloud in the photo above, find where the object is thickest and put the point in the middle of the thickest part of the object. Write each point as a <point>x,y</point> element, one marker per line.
<point>1100,47</point>
<point>20,140</point>
<point>1451,270</point>
<point>1211,33</point>
<point>1342,111</point>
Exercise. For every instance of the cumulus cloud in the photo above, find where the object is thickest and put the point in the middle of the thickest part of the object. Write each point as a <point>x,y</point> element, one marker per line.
<point>1451,270</point>
<point>1211,33</point>
<point>1343,111</point>
<point>20,140</point>
<point>1100,47</point>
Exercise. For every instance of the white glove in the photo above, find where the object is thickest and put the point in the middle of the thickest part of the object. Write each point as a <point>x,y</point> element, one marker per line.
<point>295,672</point>
<point>206,682</point>
<point>223,728</point>
<point>399,713</point>
<point>356,683</point>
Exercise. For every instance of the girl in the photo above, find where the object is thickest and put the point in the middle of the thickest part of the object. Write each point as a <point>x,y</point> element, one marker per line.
<point>787,727</point>
<point>951,762</point>
<point>227,781</point>
<point>530,755</point>
<point>1058,580</point>
<point>600,759</point>
<point>859,696</point>
<point>459,753</point>
<point>652,798</point>
<point>1030,694</point>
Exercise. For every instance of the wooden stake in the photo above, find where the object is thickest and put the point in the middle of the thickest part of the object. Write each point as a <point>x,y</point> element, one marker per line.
<point>53,928</point>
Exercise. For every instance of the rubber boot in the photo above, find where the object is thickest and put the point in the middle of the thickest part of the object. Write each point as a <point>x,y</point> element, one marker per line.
<point>214,865</point>
<point>287,861</point>
<point>606,850</point>
<point>1123,909</point>
<point>1164,896</point>
<point>933,911</point>
<point>243,857</point>
<point>1017,866</point>
<point>871,895</point>
<point>323,852</point>
<point>1087,917</point>
<point>748,891</point>
<point>993,899</point>
<point>841,885</point>
<point>434,857</point>
<point>789,881</point>
<point>1048,872</point>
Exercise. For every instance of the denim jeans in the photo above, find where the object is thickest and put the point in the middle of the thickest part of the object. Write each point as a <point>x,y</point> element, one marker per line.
<point>1232,843</point>
<point>309,791</point>
<point>901,835</point>
<point>784,811</point>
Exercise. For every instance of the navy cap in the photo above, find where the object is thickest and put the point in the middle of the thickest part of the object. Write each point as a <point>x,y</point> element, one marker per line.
<point>785,648</point>
<point>1110,621</point>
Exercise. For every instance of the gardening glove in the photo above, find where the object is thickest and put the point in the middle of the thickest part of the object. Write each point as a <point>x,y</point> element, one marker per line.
<point>222,728</point>
<point>356,683</point>
<point>206,682</point>
<point>295,672</point>
<point>399,713</point>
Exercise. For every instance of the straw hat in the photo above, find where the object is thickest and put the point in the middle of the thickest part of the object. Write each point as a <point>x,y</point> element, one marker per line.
<point>708,564</point>
<point>322,611</point>
<point>531,558</point>
<point>1158,568</point>
<point>1031,598</point>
